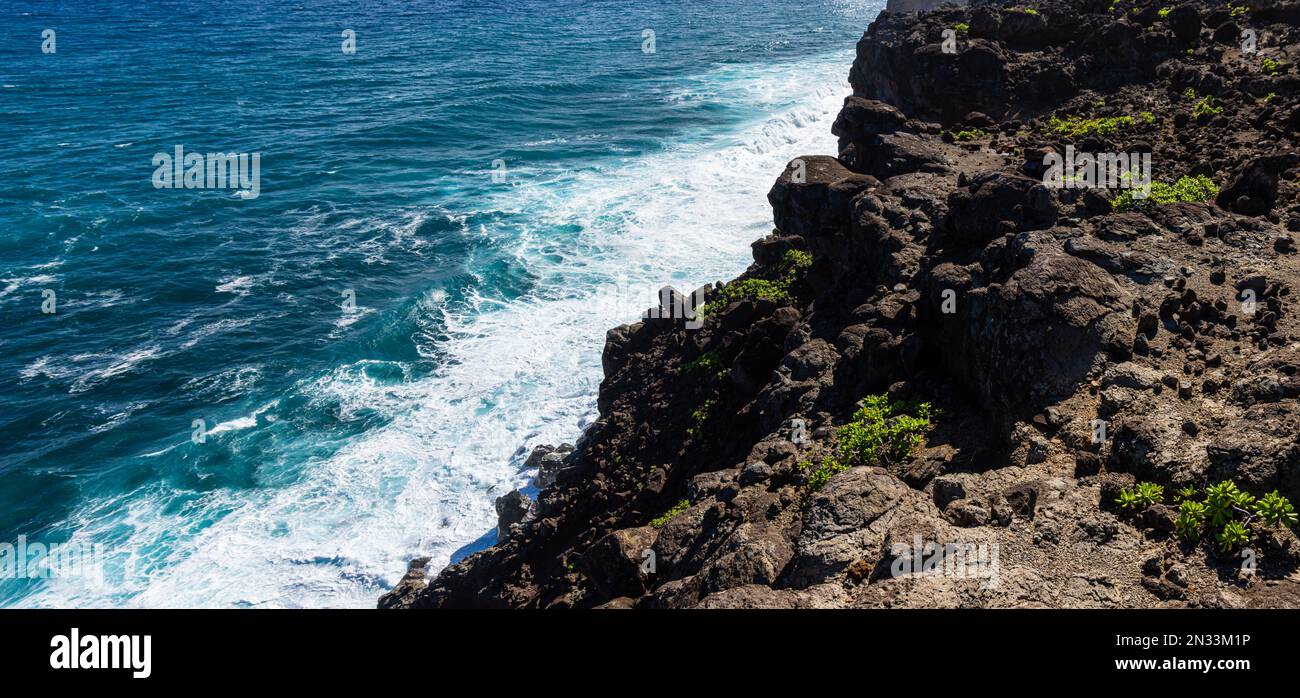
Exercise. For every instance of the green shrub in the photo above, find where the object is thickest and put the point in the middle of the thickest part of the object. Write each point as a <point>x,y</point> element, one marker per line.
<point>1269,66</point>
<point>1164,11</point>
<point>1141,497</point>
<point>1234,534</point>
<point>1223,500</point>
<point>762,289</point>
<point>879,433</point>
<point>700,417</point>
<point>1191,517</point>
<point>1276,510</point>
<point>795,262</point>
<point>1074,127</point>
<point>961,27</point>
<point>1201,104</point>
<point>708,365</point>
<point>1198,188</point>
<point>660,521</point>
<point>793,265</point>
<point>1185,494</point>
<point>1127,500</point>
<point>969,134</point>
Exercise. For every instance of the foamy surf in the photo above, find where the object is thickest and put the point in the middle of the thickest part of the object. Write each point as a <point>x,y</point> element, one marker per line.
<point>514,374</point>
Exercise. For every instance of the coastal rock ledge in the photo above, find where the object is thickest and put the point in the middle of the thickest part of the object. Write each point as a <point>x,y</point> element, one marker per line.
<point>1072,341</point>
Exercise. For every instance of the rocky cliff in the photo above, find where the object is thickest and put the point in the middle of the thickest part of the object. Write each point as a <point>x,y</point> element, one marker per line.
<point>941,347</point>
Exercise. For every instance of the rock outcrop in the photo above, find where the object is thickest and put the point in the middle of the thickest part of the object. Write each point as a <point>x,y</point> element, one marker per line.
<point>1072,341</point>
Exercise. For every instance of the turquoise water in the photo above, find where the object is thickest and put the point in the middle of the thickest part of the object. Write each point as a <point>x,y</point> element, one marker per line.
<point>495,184</point>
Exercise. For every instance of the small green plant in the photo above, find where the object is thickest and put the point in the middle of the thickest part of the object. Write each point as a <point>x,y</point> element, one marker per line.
<point>1077,127</point>
<point>1227,509</point>
<point>1223,502</point>
<point>1276,510</point>
<point>823,474</point>
<point>879,433</point>
<point>660,521</point>
<point>1164,11</point>
<point>1147,117</point>
<point>967,134</point>
<point>1140,497</point>
<point>700,417</point>
<point>1237,10</point>
<point>793,265</point>
<point>1127,500</point>
<point>1269,97</point>
<point>1269,66</point>
<point>1026,10</point>
<point>1201,104</point>
<point>708,365</point>
<point>1150,493</point>
<point>1186,189</point>
<point>961,28</point>
<point>1234,533</point>
<point>795,262</point>
<point>1191,517</point>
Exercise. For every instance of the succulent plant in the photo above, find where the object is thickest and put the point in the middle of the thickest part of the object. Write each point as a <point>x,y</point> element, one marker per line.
<point>1149,493</point>
<point>1276,510</point>
<point>1191,517</point>
<point>1234,533</point>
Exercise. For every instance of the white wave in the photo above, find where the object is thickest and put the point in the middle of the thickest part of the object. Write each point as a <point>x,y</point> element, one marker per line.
<point>112,365</point>
<point>241,423</point>
<point>15,283</point>
<point>513,375</point>
<point>238,285</point>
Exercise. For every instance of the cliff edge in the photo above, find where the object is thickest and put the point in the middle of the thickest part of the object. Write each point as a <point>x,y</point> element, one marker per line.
<point>960,371</point>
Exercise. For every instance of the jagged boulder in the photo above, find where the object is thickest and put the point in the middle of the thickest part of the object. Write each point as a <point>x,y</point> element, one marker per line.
<point>753,554</point>
<point>894,154</point>
<point>1032,339</point>
<point>851,517</point>
<point>617,564</point>
<point>1185,22</point>
<point>995,203</point>
<point>813,195</point>
<point>511,509</point>
<point>1252,191</point>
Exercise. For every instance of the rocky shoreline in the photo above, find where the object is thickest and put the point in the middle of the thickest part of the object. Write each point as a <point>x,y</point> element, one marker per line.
<point>1073,342</point>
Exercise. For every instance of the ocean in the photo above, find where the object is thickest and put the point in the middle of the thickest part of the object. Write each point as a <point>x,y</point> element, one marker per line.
<point>277,397</point>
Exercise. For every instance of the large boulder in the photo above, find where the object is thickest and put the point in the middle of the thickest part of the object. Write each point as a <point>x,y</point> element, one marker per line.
<point>1031,340</point>
<point>752,554</point>
<point>1252,191</point>
<point>852,517</point>
<point>814,194</point>
<point>511,509</point>
<point>615,564</point>
<point>994,198</point>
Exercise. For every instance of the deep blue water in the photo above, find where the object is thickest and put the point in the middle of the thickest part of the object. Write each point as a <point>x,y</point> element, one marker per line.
<point>341,443</point>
